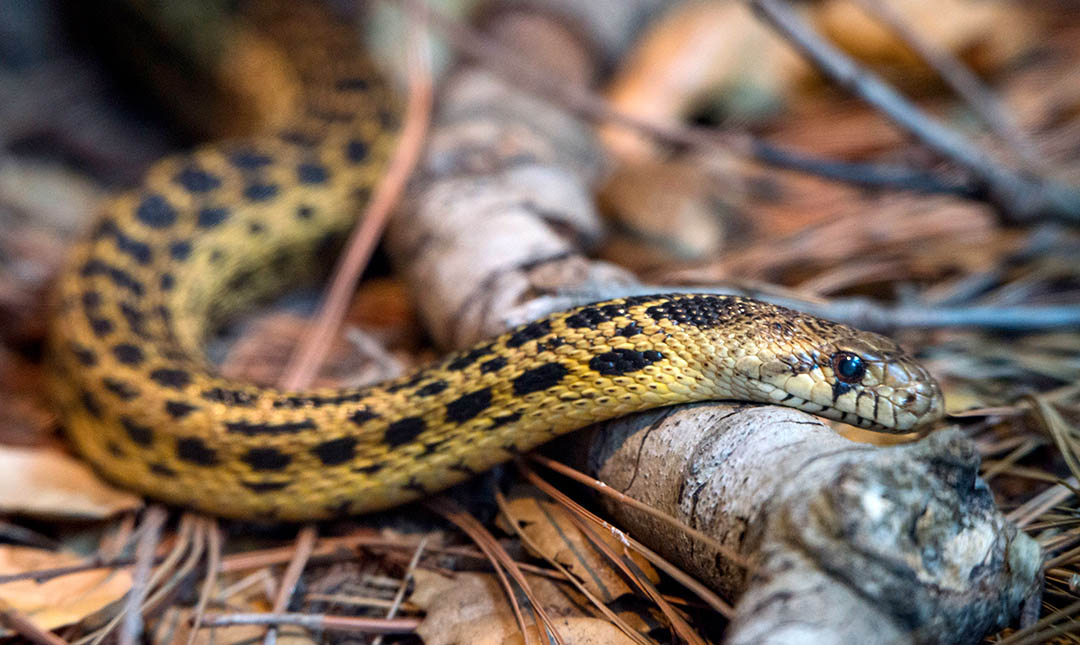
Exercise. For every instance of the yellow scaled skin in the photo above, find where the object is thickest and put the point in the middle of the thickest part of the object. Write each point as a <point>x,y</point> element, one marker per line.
<point>208,232</point>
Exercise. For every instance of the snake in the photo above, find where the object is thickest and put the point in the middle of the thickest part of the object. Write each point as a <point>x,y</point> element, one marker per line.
<point>208,232</point>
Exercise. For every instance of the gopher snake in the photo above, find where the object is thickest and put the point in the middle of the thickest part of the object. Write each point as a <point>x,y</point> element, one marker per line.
<point>208,232</point>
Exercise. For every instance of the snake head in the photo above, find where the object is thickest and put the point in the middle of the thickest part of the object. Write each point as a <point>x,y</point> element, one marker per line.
<point>874,380</point>
<point>846,374</point>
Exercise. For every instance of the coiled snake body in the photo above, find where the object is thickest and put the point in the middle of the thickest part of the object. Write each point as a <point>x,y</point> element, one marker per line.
<point>210,231</point>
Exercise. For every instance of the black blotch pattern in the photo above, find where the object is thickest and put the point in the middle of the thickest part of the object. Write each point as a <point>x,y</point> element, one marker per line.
<point>91,404</point>
<point>167,281</point>
<point>267,459</point>
<point>101,326</point>
<point>135,318</point>
<point>83,354</point>
<point>336,451</point>
<point>138,433</point>
<point>255,429</point>
<point>194,450</point>
<point>629,331</point>
<point>162,470</point>
<point>431,389</point>
<point>254,228</point>
<point>211,216</point>
<point>114,449</point>
<point>119,277</point>
<point>351,84</point>
<point>128,354</point>
<point>621,361</point>
<point>123,390</point>
<point>362,416</point>
<point>264,487</point>
<point>304,212</point>
<point>260,192</point>
<point>388,119</point>
<point>404,385</point>
<point>540,378</point>
<point>91,300</point>
<point>356,151</point>
<point>241,280</point>
<point>367,470</point>
<point>468,406</point>
<point>179,409</point>
<point>403,431</point>
<point>840,388</point>
<point>155,212</point>
<point>296,401</point>
<point>138,250</point>
<point>180,250</point>
<point>300,139</point>
<point>311,173</point>
<point>705,312</point>
<point>532,331</point>
<point>587,318</point>
<point>197,180</point>
<point>170,377</point>
<point>467,359</point>
<point>230,397</point>
<point>497,422</point>
<point>493,365</point>
<point>249,160</point>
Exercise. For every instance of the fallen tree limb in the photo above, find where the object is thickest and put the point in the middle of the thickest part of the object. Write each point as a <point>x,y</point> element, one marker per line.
<point>850,542</point>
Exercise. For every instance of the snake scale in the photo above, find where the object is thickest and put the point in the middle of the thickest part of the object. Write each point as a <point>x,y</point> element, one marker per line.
<point>208,232</point>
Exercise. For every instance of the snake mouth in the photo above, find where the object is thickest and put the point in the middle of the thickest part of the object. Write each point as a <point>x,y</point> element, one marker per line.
<point>853,418</point>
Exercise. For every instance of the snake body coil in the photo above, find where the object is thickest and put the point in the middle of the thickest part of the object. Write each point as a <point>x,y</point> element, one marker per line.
<point>210,231</point>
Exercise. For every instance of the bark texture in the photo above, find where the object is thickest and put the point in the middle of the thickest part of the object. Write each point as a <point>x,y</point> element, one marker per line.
<point>852,542</point>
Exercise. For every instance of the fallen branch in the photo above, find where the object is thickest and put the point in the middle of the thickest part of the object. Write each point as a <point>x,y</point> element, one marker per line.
<point>1021,197</point>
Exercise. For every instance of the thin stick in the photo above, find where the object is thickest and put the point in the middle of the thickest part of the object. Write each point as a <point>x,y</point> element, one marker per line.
<point>504,507</point>
<point>450,510</point>
<point>311,352</point>
<point>1044,501</point>
<point>132,626</point>
<point>608,491</point>
<point>213,563</point>
<point>318,622</point>
<point>961,79</point>
<point>1021,197</point>
<point>701,591</point>
<point>400,595</point>
<point>520,72</point>
<point>305,543</point>
<point>23,626</point>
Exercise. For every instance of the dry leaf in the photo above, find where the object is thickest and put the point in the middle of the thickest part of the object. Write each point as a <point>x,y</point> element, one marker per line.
<point>472,609</point>
<point>60,601</point>
<point>46,482</point>
<point>551,530</point>
<point>577,631</point>
<point>970,29</point>
<point>716,48</point>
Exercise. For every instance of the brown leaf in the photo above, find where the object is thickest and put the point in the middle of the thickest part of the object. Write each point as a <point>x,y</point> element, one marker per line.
<point>46,482</point>
<point>60,601</point>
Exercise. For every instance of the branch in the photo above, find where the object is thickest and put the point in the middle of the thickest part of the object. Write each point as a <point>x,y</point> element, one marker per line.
<point>1021,197</point>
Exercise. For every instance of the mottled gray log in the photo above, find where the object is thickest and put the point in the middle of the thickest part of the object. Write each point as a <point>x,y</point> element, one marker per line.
<point>852,542</point>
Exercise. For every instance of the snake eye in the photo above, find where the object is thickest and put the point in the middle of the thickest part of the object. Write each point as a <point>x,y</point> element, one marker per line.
<point>848,367</point>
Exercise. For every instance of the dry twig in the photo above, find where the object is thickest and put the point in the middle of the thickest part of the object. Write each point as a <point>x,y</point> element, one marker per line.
<point>1021,197</point>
